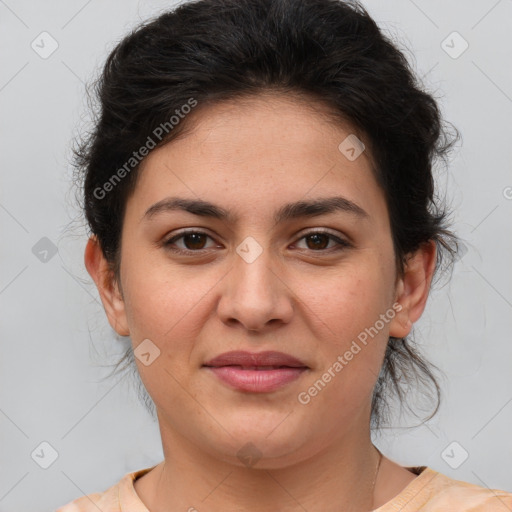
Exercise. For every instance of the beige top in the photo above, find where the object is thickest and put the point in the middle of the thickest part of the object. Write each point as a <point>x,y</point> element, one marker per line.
<point>430,491</point>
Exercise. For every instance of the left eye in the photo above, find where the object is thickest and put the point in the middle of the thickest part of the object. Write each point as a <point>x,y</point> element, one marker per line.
<point>320,239</point>
<point>194,241</point>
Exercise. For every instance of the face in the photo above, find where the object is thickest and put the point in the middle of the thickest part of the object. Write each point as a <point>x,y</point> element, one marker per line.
<point>310,286</point>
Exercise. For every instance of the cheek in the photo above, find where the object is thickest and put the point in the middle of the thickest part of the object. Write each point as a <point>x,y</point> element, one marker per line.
<point>170,310</point>
<point>163,306</point>
<point>350,333</point>
<point>159,294</point>
<point>346,302</point>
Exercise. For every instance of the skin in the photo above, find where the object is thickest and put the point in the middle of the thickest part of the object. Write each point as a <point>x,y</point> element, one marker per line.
<point>252,157</point>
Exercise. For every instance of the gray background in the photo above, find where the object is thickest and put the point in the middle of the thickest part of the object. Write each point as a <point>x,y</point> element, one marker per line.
<point>55,336</point>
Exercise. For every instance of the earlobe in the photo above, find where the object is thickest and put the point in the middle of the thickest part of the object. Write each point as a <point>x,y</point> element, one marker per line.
<point>413,288</point>
<point>111,298</point>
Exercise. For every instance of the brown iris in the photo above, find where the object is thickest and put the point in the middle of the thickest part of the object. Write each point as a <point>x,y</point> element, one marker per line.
<point>196,239</point>
<point>317,240</point>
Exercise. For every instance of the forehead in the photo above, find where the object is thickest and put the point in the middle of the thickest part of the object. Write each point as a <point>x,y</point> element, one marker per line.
<point>259,151</point>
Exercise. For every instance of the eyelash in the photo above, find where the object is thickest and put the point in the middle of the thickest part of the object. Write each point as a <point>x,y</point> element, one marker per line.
<point>342,244</point>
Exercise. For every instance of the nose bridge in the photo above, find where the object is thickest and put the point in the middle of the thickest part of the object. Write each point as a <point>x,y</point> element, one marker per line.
<point>252,272</point>
<point>252,275</point>
<point>254,294</point>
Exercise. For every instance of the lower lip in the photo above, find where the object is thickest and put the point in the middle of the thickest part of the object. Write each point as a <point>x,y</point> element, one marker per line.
<point>259,381</point>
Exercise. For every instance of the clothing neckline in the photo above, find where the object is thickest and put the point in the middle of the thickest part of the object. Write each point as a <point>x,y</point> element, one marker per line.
<point>424,475</point>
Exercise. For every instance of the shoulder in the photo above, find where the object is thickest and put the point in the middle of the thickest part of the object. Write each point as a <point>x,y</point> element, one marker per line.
<point>432,491</point>
<point>106,501</point>
<point>114,499</point>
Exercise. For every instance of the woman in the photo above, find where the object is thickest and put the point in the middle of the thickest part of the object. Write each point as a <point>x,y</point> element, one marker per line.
<point>260,195</point>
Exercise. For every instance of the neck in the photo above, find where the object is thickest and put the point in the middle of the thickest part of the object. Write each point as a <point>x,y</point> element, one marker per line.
<point>341,476</point>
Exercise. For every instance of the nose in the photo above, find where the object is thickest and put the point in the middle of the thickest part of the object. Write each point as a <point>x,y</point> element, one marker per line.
<point>255,296</point>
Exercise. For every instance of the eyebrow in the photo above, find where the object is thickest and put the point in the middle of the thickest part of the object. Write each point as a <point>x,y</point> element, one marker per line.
<point>299,209</point>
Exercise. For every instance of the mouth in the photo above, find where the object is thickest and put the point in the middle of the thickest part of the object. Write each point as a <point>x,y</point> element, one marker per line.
<point>261,372</point>
<point>254,368</point>
<point>256,360</point>
<point>256,379</point>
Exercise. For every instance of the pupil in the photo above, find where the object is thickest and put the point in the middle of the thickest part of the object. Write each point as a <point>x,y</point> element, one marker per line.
<point>315,237</point>
<point>196,236</point>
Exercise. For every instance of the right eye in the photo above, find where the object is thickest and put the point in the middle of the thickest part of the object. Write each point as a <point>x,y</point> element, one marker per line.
<point>195,241</point>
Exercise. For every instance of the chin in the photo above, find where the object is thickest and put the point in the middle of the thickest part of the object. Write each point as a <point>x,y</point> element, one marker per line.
<point>261,448</point>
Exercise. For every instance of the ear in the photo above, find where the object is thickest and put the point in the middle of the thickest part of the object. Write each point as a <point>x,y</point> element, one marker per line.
<point>108,289</point>
<point>413,288</point>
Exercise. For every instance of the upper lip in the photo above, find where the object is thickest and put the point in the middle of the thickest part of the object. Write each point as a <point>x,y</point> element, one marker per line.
<point>244,358</point>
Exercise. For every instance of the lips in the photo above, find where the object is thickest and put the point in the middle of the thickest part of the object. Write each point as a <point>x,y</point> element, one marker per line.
<point>269,360</point>
<point>260,372</point>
